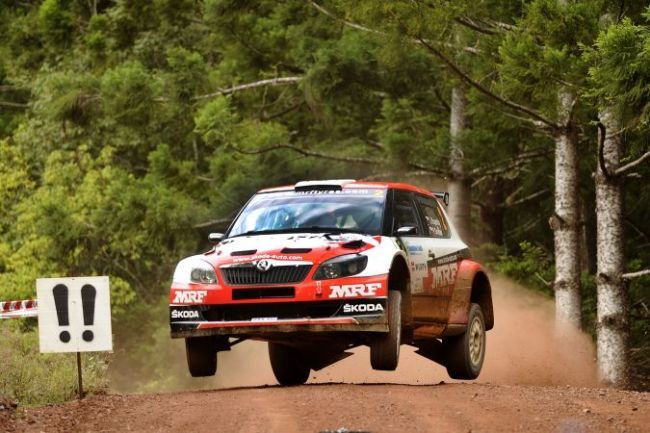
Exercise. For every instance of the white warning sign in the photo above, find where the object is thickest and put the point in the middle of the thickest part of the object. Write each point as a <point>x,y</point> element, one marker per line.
<point>74,314</point>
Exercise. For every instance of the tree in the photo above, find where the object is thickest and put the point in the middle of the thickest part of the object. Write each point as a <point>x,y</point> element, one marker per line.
<point>621,91</point>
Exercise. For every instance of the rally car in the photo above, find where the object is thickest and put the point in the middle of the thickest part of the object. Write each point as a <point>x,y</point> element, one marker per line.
<point>320,267</point>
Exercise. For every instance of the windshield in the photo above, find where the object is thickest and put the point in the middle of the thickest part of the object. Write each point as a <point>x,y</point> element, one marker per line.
<point>349,210</point>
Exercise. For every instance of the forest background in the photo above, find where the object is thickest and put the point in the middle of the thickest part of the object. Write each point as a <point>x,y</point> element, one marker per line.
<point>131,129</point>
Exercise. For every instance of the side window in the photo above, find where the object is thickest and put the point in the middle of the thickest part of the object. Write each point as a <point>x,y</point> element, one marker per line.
<point>404,212</point>
<point>434,220</point>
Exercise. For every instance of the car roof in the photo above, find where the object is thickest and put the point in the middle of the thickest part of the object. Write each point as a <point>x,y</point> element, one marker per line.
<point>351,184</point>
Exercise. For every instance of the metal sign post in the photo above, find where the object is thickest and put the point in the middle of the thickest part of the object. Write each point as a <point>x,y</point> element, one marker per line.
<point>80,388</point>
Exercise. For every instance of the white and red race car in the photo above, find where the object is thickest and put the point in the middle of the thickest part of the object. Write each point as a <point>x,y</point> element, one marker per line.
<point>321,267</point>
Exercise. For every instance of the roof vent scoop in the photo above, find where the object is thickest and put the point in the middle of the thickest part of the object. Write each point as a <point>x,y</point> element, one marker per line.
<point>322,185</point>
<point>354,245</point>
<point>289,250</point>
<point>243,253</point>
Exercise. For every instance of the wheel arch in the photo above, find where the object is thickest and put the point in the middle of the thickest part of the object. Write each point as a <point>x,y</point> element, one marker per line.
<point>472,285</point>
<point>399,278</point>
<point>481,294</point>
<point>399,274</point>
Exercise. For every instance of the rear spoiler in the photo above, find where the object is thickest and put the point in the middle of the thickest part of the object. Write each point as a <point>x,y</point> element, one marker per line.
<point>444,196</point>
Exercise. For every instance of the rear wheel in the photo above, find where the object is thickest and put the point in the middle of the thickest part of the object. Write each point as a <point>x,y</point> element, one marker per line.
<point>464,354</point>
<point>201,356</point>
<point>288,364</point>
<point>384,349</point>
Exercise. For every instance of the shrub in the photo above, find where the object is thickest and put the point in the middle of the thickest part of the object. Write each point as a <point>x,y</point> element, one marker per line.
<point>32,378</point>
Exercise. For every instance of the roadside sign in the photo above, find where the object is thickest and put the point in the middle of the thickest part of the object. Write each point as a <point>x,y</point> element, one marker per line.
<point>74,314</point>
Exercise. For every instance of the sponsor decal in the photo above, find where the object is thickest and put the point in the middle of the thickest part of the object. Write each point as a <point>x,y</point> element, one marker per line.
<point>419,267</point>
<point>185,314</point>
<point>266,257</point>
<point>415,249</point>
<point>363,308</point>
<point>352,290</point>
<point>452,258</point>
<point>345,191</point>
<point>189,296</point>
<point>441,277</point>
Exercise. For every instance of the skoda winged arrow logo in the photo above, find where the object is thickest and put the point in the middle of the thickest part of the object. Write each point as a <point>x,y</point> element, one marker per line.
<point>263,265</point>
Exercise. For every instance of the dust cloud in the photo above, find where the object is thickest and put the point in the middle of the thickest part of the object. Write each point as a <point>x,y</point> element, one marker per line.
<point>523,348</point>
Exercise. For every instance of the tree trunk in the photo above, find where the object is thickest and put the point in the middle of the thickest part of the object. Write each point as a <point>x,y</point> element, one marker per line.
<point>613,312</point>
<point>564,221</point>
<point>492,212</point>
<point>459,189</point>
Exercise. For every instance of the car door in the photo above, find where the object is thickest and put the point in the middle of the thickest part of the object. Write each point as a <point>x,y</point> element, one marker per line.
<point>444,253</point>
<point>404,213</point>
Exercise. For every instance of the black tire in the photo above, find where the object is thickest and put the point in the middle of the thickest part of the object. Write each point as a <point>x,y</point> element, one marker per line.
<point>201,356</point>
<point>289,367</point>
<point>464,354</point>
<point>384,349</point>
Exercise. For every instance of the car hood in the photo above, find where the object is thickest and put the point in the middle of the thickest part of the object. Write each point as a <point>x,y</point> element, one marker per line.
<point>312,247</point>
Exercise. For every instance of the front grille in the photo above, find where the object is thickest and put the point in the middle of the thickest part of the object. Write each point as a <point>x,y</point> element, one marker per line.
<point>263,293</point>
<point>248,274</point>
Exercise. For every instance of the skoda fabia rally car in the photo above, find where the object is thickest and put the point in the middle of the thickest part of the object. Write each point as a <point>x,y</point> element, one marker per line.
<point>320,267</point>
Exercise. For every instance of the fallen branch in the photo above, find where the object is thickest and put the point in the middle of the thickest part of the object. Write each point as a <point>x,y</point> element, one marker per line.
<point>305,152</point>
<point>465,77</point>
<point>280,81</point>
<point>631,275</point>
<point>546,283</point>
<point>631,165</point>
<point>212,222</point>
<point>512,163</point>
<point>13,104</point>
<point>393,174</point>
<point>377,32</point>
<point>526,199</point>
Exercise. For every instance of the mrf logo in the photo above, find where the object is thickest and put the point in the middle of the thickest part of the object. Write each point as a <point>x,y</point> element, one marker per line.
<point>189,296</point>
<point>354,290</point>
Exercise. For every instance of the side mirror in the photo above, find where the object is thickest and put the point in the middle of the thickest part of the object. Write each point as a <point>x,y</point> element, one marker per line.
<point>406,230</point>
<point>215,238</point>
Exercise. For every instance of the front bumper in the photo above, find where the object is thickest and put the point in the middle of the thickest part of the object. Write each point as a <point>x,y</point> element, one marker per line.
<point>350,315</point>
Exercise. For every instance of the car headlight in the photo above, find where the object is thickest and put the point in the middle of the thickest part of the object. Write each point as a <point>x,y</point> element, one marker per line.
<point>194,270</point>
<point>342,266</point>
<point>201,275</point>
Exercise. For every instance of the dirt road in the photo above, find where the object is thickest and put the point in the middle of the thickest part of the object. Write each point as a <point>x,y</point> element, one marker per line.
<point>534,380</point>
<point>370,408</point>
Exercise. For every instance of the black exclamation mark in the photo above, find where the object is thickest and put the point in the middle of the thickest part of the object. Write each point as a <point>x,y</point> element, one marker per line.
<point>88,294</point>
<point>60,293</point>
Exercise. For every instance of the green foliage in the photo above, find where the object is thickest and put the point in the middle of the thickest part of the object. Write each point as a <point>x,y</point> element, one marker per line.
<point>620,69</point>
<point>57,21</point>
<point>115,160</point>
<point>531,266</point>
<point>32,378</point>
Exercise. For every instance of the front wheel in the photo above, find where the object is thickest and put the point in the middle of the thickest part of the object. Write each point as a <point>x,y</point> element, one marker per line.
<point>464,354</point>
<point>289,367</point>
<point>201,356</point>
<point>384,349</point>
